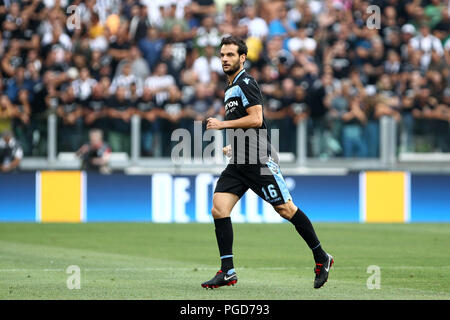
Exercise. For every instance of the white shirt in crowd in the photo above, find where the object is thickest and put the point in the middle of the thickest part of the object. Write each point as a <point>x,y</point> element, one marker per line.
<point>295,44</point>
<point>154,14</point>
<point>204,66</point>
<point>126,81</point>
<point>257,27</point>
<point>83,89</point>
<point>427,44</point>
<point>160,82</point>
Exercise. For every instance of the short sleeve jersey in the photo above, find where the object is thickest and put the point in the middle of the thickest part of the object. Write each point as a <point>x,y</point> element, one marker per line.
<point>254,147</point>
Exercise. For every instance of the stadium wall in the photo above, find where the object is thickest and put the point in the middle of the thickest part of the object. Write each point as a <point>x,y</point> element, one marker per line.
<point>76,196</point>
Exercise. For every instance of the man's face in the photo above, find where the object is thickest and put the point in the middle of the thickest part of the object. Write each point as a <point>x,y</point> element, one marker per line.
<point>231,61</point>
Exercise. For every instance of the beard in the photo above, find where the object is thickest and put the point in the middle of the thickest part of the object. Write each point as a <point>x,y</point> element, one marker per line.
<point>232,69</point>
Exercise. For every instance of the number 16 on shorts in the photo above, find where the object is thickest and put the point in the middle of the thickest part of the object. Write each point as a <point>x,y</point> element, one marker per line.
<point>270,193</point>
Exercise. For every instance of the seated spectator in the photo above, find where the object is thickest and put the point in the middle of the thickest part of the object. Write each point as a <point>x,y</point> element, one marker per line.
<point>96,154</point>
<point>11,152</point>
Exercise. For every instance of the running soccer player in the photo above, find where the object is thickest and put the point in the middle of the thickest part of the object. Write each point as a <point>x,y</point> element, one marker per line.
<point>244,116</point>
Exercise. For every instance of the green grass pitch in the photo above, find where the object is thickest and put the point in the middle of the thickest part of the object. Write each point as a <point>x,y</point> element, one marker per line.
<point>169,261</point>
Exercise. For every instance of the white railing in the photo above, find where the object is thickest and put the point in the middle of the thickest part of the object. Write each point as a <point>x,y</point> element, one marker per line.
<point>388,159</point>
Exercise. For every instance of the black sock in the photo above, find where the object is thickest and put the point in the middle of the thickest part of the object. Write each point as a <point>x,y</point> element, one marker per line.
<point>224,236</point>
<point>305,229</point>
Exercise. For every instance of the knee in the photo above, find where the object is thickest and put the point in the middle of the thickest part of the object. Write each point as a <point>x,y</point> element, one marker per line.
<point>286,210</point>
<point>219,213</point>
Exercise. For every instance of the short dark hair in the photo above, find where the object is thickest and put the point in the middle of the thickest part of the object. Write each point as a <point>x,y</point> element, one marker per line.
<point>242,46</point>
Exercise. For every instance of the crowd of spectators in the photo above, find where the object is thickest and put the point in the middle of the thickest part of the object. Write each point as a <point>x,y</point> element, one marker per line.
<point>96,64</point>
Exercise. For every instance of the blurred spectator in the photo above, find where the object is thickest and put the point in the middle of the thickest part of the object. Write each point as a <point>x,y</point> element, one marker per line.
<point>158,59</point>
<point>83,85</point>
<point>119,112</point>
<point>96,154</point>
<point>146,109</point>
<point>206,64</point>
<point>125,79</point>
<point>426,43</point>
<point>94,109</point>
<point>21,122</point>
<point>139,23</point>
<point>160,83</point>
<point>71,122</point>
<point>172,116</point>
<point>352,132</point>
<point>151,47</point>
<point>11,152</point>
<point>254,26</point>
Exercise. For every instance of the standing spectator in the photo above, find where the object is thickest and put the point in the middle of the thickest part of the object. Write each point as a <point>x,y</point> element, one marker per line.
<point>172,116</point>
<point>146,109</point>
<point>125,79</point>
<point>83,85</point>
<point>202,8</point>
<point>208,33</point>
<point>21,122</point>
<point>255,26</point>
<point>172,20</point>
<point>282,25</point>
<point>160,83</point>
<point>207,63</point>
<point>11,152</point>
<point>139,23</point>
<point>301,41</point>
<point>6,113</point>
<point>119,112</point>
<point>94,109</point>
<point>425,42</point>
<point>119,49</point>
<point>151,47</point>
<point>352,133</point>
<point>71,124</point>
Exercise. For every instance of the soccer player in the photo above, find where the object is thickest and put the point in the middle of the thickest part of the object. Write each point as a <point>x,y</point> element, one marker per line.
<point>244,115</point>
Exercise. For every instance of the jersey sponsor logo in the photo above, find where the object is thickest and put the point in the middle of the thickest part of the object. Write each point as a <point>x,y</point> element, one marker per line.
<point>231,106</point>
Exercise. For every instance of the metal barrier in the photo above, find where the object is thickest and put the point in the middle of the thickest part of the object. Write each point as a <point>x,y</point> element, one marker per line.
<point>299,163</point>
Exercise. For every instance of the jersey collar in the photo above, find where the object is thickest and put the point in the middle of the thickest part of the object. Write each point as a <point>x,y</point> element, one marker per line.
<point>238,75</point>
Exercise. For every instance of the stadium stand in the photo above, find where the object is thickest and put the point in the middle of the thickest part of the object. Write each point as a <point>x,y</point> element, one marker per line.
<point>96,64</point>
